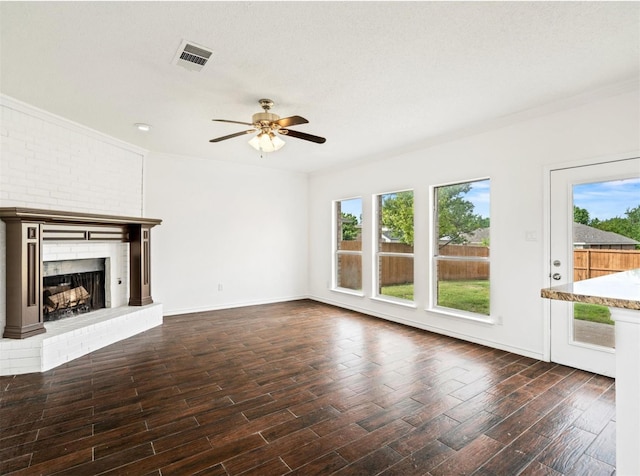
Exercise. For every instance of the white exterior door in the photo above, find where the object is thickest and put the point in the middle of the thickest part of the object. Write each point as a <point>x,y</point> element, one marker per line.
<point>576,340</point>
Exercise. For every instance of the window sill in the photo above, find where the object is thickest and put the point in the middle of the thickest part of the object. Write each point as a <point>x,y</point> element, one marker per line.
<point>397,302</point>
<point>350,292</point>
<point>467,316</point>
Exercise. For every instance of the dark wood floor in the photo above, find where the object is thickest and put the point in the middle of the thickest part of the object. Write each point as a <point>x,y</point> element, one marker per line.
<point>304,388</point>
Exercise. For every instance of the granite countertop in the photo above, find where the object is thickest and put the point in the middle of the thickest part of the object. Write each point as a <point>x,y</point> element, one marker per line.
<point>614,290</point>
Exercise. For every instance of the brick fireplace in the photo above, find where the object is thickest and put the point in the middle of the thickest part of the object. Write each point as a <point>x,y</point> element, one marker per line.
<point>35,237</point>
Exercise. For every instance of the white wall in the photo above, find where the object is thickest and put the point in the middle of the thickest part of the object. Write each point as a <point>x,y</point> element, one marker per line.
<point>243,228</point>
<point>52,163</point>
<point>514,157</point>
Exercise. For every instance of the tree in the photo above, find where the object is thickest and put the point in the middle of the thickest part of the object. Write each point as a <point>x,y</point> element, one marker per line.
<point>628,226</point>
<point>455,214</point>
<point>616,225</point>
<point>350,229</point>
<point>482,222</point>
<point>633,215</point>
<point>397,215</point>
<point>581,215</point>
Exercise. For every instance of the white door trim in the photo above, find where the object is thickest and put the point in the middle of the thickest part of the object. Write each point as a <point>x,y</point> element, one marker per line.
<point>546,230</point>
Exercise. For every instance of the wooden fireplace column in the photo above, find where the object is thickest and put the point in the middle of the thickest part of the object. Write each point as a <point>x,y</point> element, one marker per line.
<point>28,228</point>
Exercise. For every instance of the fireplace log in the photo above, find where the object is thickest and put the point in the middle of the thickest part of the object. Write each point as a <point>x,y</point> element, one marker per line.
<point>70,298</point>
<point>49,290</point>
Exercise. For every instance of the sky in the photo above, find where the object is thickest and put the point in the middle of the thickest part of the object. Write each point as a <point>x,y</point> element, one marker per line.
<point>604,200</point>
<point>478,195</point>
<point>352,206</point>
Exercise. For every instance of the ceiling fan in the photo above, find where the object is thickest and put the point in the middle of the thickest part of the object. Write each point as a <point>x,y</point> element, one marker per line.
<point>267,124</point>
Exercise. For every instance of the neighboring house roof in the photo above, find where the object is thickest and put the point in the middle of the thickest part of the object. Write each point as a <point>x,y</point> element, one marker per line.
<point>481,235</point>
<point>587,235</point>
<point>582,235</point>
<point>387,236</point>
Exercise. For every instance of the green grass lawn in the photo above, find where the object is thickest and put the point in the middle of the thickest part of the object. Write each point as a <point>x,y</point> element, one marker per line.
<point>470,296</point>
<point>400,291</point>
<point>592,313</point>
<point>473,296</point>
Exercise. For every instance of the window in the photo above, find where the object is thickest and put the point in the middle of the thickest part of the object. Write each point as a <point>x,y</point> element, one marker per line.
<point>461,260</point>
<point>394,251</point>
<point>348,244</point>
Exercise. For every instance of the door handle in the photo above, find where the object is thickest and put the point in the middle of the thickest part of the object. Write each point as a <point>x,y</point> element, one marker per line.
<point>556,276</point>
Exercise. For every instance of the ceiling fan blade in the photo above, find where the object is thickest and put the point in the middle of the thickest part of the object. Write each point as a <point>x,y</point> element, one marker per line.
<point>231,136</point>
<point>233,122</point>
<point>291,121</point>
<point>303,136</point>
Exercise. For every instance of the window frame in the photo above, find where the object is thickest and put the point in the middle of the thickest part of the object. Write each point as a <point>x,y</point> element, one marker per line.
<point>436,258</point>
<point>337,252</point>
<point>378,254</point>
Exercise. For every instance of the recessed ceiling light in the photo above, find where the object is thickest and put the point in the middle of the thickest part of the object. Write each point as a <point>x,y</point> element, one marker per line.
<point>142,127</point>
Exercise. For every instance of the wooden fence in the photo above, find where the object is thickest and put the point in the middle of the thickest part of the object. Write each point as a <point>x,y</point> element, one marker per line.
<point>396,269</point>
<point>588,263</point>
<point>350,266</point>
<point>399,270</point>
<point>591,263</point>
<point>463,270</point>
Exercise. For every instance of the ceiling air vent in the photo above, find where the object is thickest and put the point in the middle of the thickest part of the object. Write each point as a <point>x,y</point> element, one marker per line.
<point>191,56</point>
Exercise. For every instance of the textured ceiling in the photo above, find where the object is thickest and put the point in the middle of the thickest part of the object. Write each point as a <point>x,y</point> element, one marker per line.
<point>373,78</point>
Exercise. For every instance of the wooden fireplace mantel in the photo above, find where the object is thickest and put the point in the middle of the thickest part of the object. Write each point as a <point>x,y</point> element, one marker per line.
<point>28,228</point>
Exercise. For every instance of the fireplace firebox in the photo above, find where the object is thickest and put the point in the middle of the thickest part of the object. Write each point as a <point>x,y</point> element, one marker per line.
<point>72,287</point>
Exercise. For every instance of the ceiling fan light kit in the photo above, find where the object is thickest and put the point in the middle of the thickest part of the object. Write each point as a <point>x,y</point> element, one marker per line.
<point>267,142</point>
<point>269,125</point>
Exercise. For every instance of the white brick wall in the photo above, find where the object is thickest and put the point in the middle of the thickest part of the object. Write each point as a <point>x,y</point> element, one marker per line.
<point>51,163</point>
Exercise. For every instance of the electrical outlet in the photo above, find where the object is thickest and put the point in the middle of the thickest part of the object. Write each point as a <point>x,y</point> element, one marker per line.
<point>219,287</point>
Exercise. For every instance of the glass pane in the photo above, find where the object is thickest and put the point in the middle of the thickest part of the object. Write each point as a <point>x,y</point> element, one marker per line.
<point>395,222</point>
<point>463,218</point>
<point>349,272</point>
<point>396,277</point>
<point>349,238</point>
<point>592,324</point>
<point>606,240</point>
<point>463,285</point>
<point>349,226</point>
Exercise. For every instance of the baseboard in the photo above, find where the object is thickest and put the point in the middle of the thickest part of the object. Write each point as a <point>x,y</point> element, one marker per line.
<point>435,329</point>
<point>221,307</point>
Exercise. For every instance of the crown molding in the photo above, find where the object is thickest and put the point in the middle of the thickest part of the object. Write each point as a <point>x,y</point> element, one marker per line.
<point>25,108</point>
